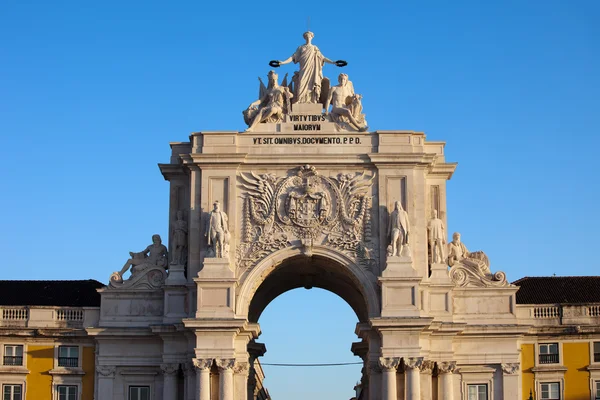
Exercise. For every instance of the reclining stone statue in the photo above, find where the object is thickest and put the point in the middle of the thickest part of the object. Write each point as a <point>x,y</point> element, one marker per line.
<point>155,255</point>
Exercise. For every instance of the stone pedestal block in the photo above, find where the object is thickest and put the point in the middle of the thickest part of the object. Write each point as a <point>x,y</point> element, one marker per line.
<point>176,275</point>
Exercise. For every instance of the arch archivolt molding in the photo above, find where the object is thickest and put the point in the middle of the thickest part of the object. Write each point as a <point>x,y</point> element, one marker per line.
<point>363,281</point>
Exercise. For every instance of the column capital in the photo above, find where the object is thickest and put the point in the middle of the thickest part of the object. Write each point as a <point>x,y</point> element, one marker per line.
<point>413,362</point>
<point>202,363</point>
<point>446,367</point>
<point>389,363</point>
<point>241,368</point>
<point>188,368</point>
<point>427,366</point>
<point>510,368</point>
<point>106,371</point>
<point>373,367</point>
<point>169,368</point>
<point>225,364</point>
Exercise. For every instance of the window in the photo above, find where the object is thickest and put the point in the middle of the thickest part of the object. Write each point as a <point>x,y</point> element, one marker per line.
<point>597,392</point>
<point>550,391</point>
<point>139,392</point>
<point>596,351</point>
<point>477,392</point>
<point>67,392</point>
<point>12,392</point>
<point>68,356</point>
<point>13,354</point>
<point>549,353</point>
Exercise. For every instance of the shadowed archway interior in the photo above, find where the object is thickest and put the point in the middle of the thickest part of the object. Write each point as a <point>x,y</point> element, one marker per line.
<point>309,272</point>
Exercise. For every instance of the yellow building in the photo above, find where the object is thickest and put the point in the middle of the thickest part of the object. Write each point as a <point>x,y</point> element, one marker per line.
<point>45,351</point>
<point>560,355</point>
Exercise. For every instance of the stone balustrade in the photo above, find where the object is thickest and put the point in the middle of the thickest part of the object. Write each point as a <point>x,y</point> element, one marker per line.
<point>48,317</point>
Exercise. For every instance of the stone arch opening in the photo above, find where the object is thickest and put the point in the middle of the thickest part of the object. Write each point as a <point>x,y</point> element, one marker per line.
<point>298,272</point>
<point>326,269</point>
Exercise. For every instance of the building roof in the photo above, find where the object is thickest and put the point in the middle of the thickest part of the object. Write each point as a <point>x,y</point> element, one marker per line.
<point>50,293</point>
<point>558,289</point>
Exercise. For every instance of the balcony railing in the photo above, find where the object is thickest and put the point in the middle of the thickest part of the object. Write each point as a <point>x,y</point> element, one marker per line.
<point>15,314</point>
<point>13,360</point>
<point>546,312</point>
<point>594,311</point>
<point>548,358</point>
<point>69,315</point>
<point>68,361</point>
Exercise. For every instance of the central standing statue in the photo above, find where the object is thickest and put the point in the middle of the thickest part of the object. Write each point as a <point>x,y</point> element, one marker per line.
<point>307,83</point>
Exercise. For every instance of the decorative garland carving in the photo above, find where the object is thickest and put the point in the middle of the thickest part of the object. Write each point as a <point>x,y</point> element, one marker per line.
<point>306,208</point>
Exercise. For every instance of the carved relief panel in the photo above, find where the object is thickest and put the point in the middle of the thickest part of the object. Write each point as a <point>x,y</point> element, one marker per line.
<point>305,208</point>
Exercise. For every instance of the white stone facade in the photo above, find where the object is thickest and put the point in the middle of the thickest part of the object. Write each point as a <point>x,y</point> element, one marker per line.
<point>302,210</point>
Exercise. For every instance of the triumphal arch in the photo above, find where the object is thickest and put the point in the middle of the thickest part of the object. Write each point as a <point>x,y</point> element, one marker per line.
<point>308,196</point>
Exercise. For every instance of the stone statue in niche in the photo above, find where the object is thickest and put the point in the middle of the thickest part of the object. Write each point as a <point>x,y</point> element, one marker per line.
<point>179,240</point>
<point>346,110</point>
<point>309,79</point>
<point>398,231</point>
<point>217,232</point>
<point>273,102</point>
<point>471,268</point>
<point>437,239</point>
<point>151,256</point>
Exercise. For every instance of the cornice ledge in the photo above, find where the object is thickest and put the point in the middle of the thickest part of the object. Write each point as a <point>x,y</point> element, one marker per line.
<point>402,159</point>
<point>170,171</point>
<point>215,158</point>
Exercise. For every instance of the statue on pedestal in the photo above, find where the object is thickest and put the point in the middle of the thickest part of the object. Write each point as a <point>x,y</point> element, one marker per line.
<point>346,110</point>
<point>274,101</point>
<point>217,232</point>
<point>437,239</point>
<point>398,230</point>
<point>152,256</point>
<point>179,240</point>
<point>308,80</point>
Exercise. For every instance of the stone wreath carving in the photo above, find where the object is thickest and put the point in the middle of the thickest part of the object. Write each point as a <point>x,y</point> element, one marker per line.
<point>306,208</point>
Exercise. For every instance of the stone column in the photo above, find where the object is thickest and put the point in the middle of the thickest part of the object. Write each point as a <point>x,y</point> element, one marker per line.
<point>511,381</point>
<point>446,380</point>
<point>426,381</point>
<point>203,378</point>
<point>240,377</point>
<point>225,366</point>
<point>374,372</point>
<point>169,372</point>
<point>189,381</point>
<point>389,365</point>
<point>106,379</point>
<point>412,374</point>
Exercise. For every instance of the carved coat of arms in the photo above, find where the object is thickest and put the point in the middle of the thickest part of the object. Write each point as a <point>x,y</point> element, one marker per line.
<point>305,207</point>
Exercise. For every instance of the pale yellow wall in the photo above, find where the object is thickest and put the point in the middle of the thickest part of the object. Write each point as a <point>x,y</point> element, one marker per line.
<point>576,358</point>
<point>40,360</point>
<point>527,363</point>
<point>89,367</point>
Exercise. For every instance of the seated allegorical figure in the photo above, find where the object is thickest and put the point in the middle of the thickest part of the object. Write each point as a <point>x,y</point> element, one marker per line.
<point>274,101</point>
<point>153,255</point>
<point>346,106</point>
<point>458,253</point>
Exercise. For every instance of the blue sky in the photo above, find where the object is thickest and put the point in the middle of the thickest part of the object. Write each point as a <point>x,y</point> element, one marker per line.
<point>91,93</point>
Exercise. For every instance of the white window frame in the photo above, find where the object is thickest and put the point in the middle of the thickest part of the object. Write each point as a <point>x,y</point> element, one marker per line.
<point>57,354</point>
<point>592,361</point>
<point>537,353</point>
<point>22,386</point>
<point>76,387</point>
<point>477,375</point>
<point>596,390</point>
<point>139,387</point>
<point>477,385</point>
<point>558,352</point>
<point>561,395</point>
<point>14,346</point>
